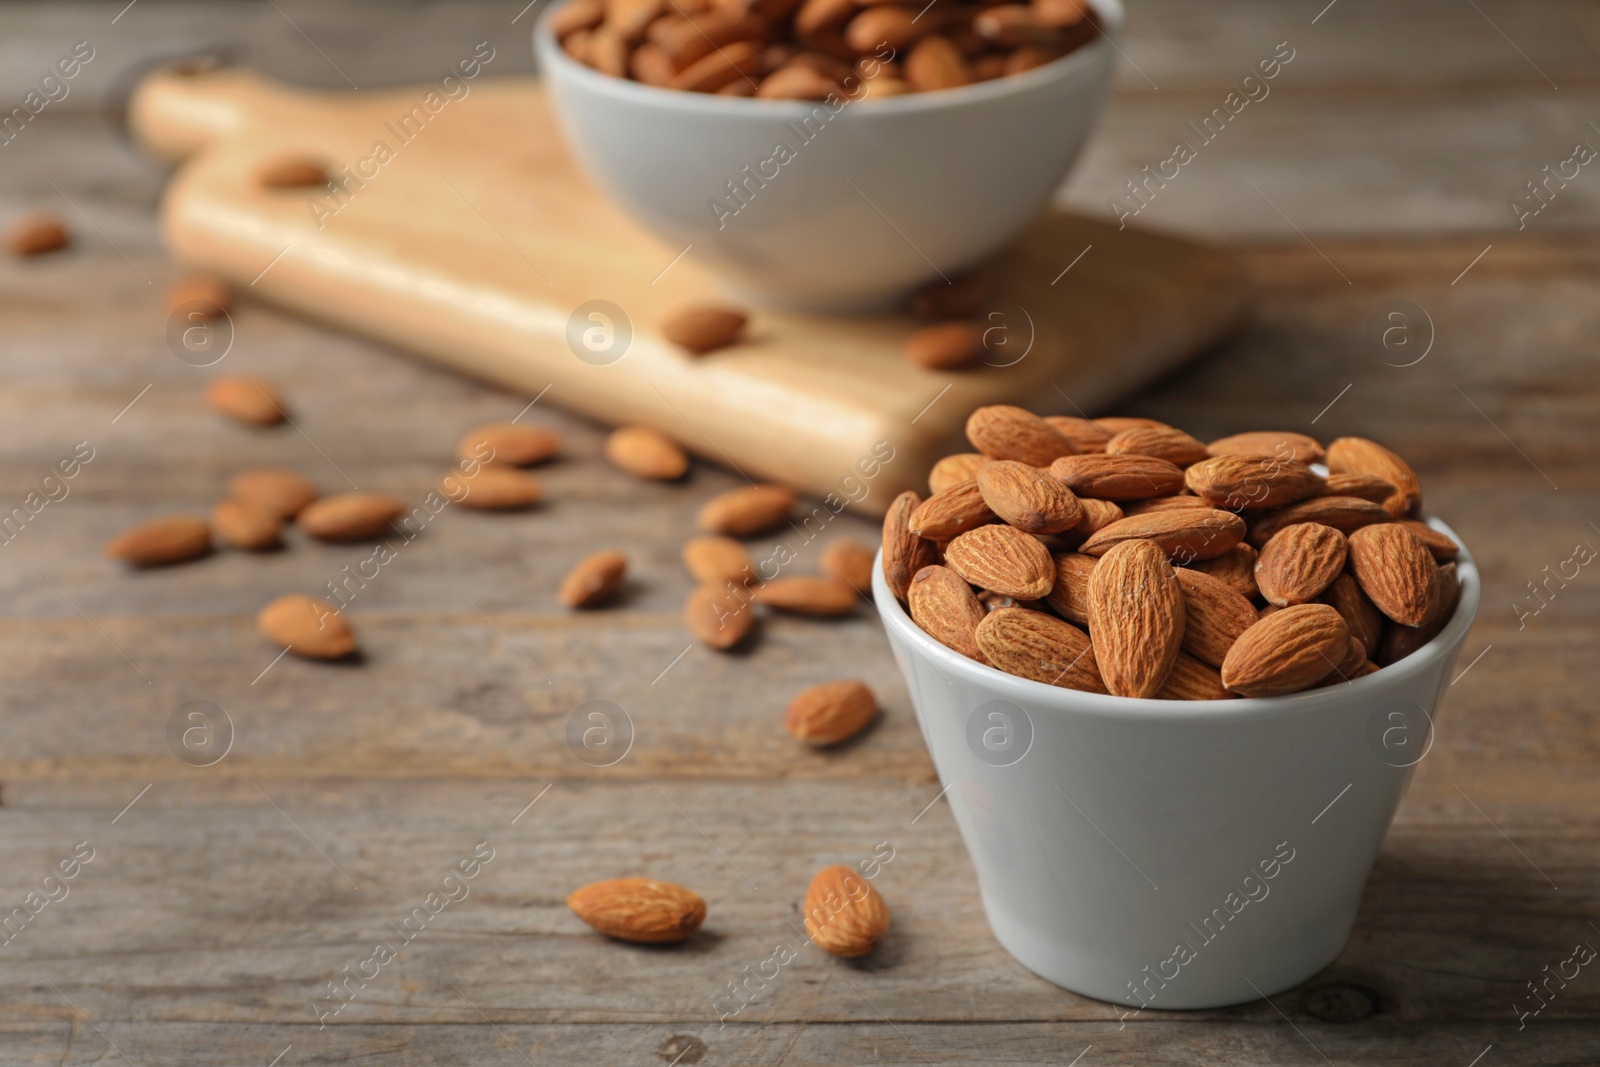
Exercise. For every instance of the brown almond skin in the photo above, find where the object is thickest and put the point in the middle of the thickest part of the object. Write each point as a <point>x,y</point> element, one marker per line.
<point>1158,442</point>
<point>245,525</point>
<point>715,560</point>
<point>1396,571</point>
<point>493,488</point>
<point>1031,644</point>
<point>640,910</point>
<point>1250,481</point>
<point>1136,618</point>
<point>594,580</point>
<point>958,509</point>
<point>704,329</point>
<point>844,915</point>
<point>283,492</point>
<point>647,453</point>
<point>162,542</point>
<point>796,82</point>
<point>1357,455</point>
<point>1344,595</point>
<point>350,516</point>
<point>1215,616</point>
<point>1289,650</point>
<point>1299,563</point>
<point>1283,444</point>
<point>1237,567</point>
<point>749,511</point>
<point>943,604</point>
<point>252,401</point>
<point>947,346</point>
<point>1166,503</point>
<point>717,617</point>
<point>1398,641</point>
<point>1111,425</point>
<point>291,172</point>
<point>955,299</point>
<point>904,553</point>
<point>307,627</point>
<point>1097,515</point>
<point>808,596</point>
<point>1002,560</point>
<point>935,63</point>
<point>1184,534</point>
<point>1083,433</point>
<point>1366,486</point>
<point>850,562</point>
<point>35,234</point>
<point>578,15</point>
<point>1193,680</point>
<point>953,470</point>
<point>1028,498</point>
<point>1069,598</point>
<point>511,443</point>
<point>207,297</point>
<point>1343,513</point>
<point>1442,547</point>
<point>1108,477</point>
<point>830,713</point>
<point>1001,431</point>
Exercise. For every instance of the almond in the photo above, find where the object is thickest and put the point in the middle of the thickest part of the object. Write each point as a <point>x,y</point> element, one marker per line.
<point>1108,477</point>
<point>796,82</point>
<point>1031,644</point>
<point>307,627</point>
<point>639,909</point>
<point>248,400</point>
<point>1366,486</point>
<point>1097,515</point>
<point>1136,618</point>
<point>1398,641</point>
<point>283,492</point>
<point>1184,534</point>
<point>943,604</point>
<point>35,234</point>
<point>161,542</point>
<point>1396,571</point>
<point>510,443</point>
<point>1350,667</point>
<point>704,329</point>
<point>717,617</point>
<point>1159,442</point>
<point>1165,503</point>
<point>1215,616</point>
<point>716,560</point>
<point>952,470</point>
<point>1027,498</point>
<point>958,509</point>
<point>1443,548</point>
<point>1250,481</point>
<point>595,579</point>
<point>1069,597</point>
<point>1343,513</point>
<point>207,297</point>
<point>1084,435</point>
<point>631,17</point>
<point>1357,455</point>
<point>493,488</point>
<point>949,345</point>
<point>1237,567</point>
<point>1192,680</point>
<point>844,915</point>
<point>291,172</point>
<point>1002,560</point>
<point>578,15</point>
<point>1299,563</point>
<point>935,63</point>
<point>904,553</point>
<point>1001,431</point>
<point>646,453</point>
<point>850,562</point>
<point>350,516</point>
<point>747,512</point>
<point>245,525</point>
<point>1344,595</point>
<point>1287,651</point>
<point>1281,444</point>
<point>807,596</point>
<point>1111,425</point>
<point>832,712</point>
<point>1059,13</point>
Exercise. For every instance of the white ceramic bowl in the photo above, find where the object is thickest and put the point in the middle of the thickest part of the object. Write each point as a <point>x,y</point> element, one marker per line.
<point>879,197</point>
<point>1173,854</point>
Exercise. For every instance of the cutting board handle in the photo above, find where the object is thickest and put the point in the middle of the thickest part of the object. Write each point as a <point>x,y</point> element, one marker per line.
<point>176,111</point>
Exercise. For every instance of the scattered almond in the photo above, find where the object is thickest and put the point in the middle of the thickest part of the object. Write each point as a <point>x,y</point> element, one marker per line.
<point>308,627</point>
<point>35,234</point>
<point>704,329</point>
<point>594,580</point>
<point>248,400</point>
<point>1032,644</point>
<point>1287,651</point>
<point>1357,455</point>
<point>1299,563</point>
<point>747,512</point>
<point>717,560</point>
<point>808,596</point>
<point>278,490</point>
<point>844,915</point>
<point>350,516</point>
<point>943,604</point>
<point>1396,571</point>
<point>1001,431</point>
<point>162,542</point>
<point>949,345</point>
<point>646,453</point>
<point>1108,477</point>
<point>1136,618</point>
<point>1002,560</point>
<point>207,297</point>
<point>639,909</point>
<point>850,561</point>
<point>246,525</point>
<point>717,617</point>
<point>832,712</point>
<point>509,443</point>
<point>493,488</point>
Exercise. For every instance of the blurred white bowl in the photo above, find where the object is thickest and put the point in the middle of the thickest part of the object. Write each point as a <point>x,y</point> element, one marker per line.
<point>879,196</point>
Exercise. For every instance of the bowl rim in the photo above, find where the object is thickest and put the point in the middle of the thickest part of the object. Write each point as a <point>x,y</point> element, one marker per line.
<point>552,57</point>
<point>1038,695</point>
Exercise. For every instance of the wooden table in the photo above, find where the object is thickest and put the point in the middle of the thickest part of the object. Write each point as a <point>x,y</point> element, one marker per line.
<point>221,900</point>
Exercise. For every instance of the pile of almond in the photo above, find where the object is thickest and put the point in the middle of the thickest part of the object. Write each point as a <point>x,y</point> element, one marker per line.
<point>1124,556</point>
<point>818,49</point>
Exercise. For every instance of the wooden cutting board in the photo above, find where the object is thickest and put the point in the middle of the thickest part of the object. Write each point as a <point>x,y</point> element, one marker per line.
<point>477,240</point>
